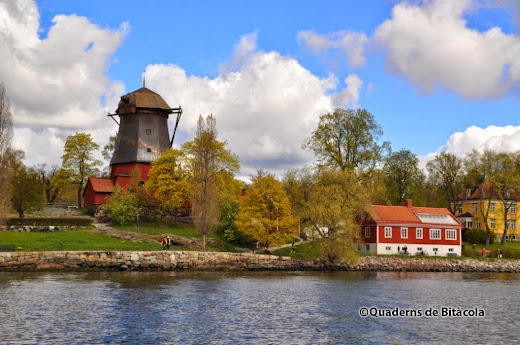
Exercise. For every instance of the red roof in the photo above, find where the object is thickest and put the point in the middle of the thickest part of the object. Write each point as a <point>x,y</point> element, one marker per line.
<point>408,215</point>
<point>101,185</point>
<point>486,189</point>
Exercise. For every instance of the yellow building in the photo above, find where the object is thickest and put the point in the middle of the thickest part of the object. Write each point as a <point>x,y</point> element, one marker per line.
<point>473,208</point>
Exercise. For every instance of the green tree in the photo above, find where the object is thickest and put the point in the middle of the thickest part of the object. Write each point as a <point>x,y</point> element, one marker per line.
<point>169,182</point>
<point>403,178</point>
<point>446,174</point>
<point>347,139</point>
<point>207,157</point>
<point>122,206</point>
<point>6,136</point>
<point>28,190</point>
<point>330,203</point>
<point>265,212</point>
<point>78,162</point>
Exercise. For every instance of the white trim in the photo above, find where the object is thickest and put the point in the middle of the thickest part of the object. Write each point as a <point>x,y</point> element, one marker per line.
<point>367,232</point>
<point>412,248</point>
<point>436,238</point>
<point>417,233</point>
<point>406,232</point>
<point>446,234</point>
<point>423,225</point>
<point>386,228</point>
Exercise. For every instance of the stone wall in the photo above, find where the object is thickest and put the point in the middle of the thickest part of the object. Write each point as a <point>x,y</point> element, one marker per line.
<point>174,260</point>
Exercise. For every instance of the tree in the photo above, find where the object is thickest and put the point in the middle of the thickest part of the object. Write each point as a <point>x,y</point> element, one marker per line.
<point>78,162</point>
<point>403,178</point>
<point>347,139</point>
<point>46,175</point>
<point>168,181</point>
<point>27,188</point>
<point>331,203</point>
<point>6,136</point>
<point>108,152</point>
<point>446,173</point>
<point>207,158</point>
<point>265,212</point>
<point>122,206</point>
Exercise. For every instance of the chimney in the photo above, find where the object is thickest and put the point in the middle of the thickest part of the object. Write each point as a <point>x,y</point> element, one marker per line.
<point>408,203</point>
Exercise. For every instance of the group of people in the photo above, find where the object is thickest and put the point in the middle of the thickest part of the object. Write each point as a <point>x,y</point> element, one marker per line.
<point>499,252</point>
<point>166,242</point>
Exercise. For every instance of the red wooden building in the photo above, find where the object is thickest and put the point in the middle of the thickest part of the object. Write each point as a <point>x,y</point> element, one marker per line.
<point>142,137</point>
<point>411,230</point>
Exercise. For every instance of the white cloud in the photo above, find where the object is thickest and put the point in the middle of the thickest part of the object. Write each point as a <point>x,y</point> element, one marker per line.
<point>350,43</point>
<point>432,47</point>
<point>350,94</point>
<point>265,110</point>
<point>242,51</point>
<point>55,84</point>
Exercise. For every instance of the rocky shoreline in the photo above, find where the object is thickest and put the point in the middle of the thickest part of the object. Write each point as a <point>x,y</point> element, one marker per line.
<point>179,260</point>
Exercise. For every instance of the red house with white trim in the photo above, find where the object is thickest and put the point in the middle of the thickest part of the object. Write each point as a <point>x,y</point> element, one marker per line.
<point>411,230</point>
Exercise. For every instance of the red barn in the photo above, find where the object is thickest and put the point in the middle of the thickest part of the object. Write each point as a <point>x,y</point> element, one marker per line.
<point>411,230</point>
<point>143,136</point>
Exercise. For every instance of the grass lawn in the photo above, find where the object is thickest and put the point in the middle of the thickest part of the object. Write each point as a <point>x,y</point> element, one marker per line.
<point>72,240</point>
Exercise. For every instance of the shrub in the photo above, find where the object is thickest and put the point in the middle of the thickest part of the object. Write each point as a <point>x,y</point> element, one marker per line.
<point>477,236</point>
<point>122,207</point>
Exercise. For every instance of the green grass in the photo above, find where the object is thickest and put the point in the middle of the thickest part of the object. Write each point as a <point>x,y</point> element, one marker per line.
<point>72,240</point>
<point>184,230</point>
<point>308,250</point>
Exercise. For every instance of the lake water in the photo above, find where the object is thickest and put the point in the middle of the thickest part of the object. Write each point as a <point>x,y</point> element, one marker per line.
<point>256,308</point>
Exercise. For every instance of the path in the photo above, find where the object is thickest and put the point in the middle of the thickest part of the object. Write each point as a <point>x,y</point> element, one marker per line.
<point>270,249</point>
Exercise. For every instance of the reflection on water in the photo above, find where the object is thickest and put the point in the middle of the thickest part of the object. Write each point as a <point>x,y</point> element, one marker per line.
<point>256,308</point>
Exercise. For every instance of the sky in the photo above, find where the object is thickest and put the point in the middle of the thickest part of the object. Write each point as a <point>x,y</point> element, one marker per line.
<point>437,75</point>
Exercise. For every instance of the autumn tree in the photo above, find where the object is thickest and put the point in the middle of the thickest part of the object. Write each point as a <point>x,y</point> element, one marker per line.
<point>207,157</point>
<point>78,162</point>
<point>347,139</point>
<point>446,174</point>
<point>265,212</point>
<point>28,190</point>
<point>169,182</point>
<point>403,178</point>
<point>6,136</point>
<point>122,206</point>
<point>330,202</point>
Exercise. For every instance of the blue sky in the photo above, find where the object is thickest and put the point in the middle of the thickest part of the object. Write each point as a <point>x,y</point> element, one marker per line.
<point>437,75</point>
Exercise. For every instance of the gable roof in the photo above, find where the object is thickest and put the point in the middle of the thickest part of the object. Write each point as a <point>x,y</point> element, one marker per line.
<point>101,185</point>
<point>486,191</point>
<point>412,215</point>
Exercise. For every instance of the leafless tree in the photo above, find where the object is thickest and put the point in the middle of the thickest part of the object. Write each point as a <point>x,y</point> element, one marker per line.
<point>6,136</point>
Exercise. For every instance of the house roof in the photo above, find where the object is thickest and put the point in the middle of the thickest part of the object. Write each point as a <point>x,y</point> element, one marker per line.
<point>486,191</point>
<point>101,185</point>
<point>412,215</point>
<point>140,99</point>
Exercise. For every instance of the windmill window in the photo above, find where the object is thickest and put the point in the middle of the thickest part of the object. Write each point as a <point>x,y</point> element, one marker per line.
<point>148,149</point>
<point>148,131</point>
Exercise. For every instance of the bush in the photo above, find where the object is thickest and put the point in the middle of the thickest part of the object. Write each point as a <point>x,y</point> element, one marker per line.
<point>49,221</point>
<point>477,236</point>
<point>122,207</point>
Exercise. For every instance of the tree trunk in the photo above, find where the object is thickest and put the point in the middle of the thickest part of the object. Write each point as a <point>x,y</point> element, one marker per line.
<point>79,196</point>
<point>488,235</point>
<point>503,241</point>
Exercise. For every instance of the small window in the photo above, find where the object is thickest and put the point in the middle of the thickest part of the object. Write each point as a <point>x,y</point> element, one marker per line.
<point>367,247</point>
<point>512,209</point>
<point>474,207</point>
<point>404,232</point>
<point>436,249</point>
<point>148,149</point>
<point>513,237</point>
<point>418,233</point>
<point>459,209</point>
<point>435,234</point>
<point>419,249</point>
<point>493,223</point>
<point>388,248</point>
<point>477,223</point>
<point>148,131</point>
<point>367,232</point>
<point>492,207</point>
<point>388,232</point>
<point>450,249</point>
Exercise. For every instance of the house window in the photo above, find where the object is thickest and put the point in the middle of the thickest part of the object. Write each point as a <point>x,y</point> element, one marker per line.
<point>367,232</point>
<point>512,209</point>
<point>148,149</point>
<point>435,250</point>
<point>511,224</point>
<point>492,207</point>
<point>477,223</point>
<point>451,234</point>
<point>141,183</point>
<point>367,247</point>
<point>493,223</point>
<point>148,131</point>
<point>474,207</point>
<point>435,234</point>
<point>450,249</point>
<point>388,232</point>
<point>404,232</point>
<point>388,248</point>
<point>419,249</point>
<point>459,209</point>
<point>418,233</point>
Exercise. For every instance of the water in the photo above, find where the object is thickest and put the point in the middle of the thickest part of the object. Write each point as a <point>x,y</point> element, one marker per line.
<point>253,308</point>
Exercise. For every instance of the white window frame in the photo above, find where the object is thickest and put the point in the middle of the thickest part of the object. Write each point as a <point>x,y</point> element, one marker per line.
<point>405,232</point>
<point>459,209</point>
<point>388,248</point>
<point>512,224</point>
<point>451,234</point>
<point>388,232</point>
<point>512,209</point>
<point>492,207</point>
<point>492,223</point>
<point>477,223</point>
<point>435,238</point>
<point>474,207</point>
<point>419,233</point>
<point>367,231</point>
<point>450,249</point>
